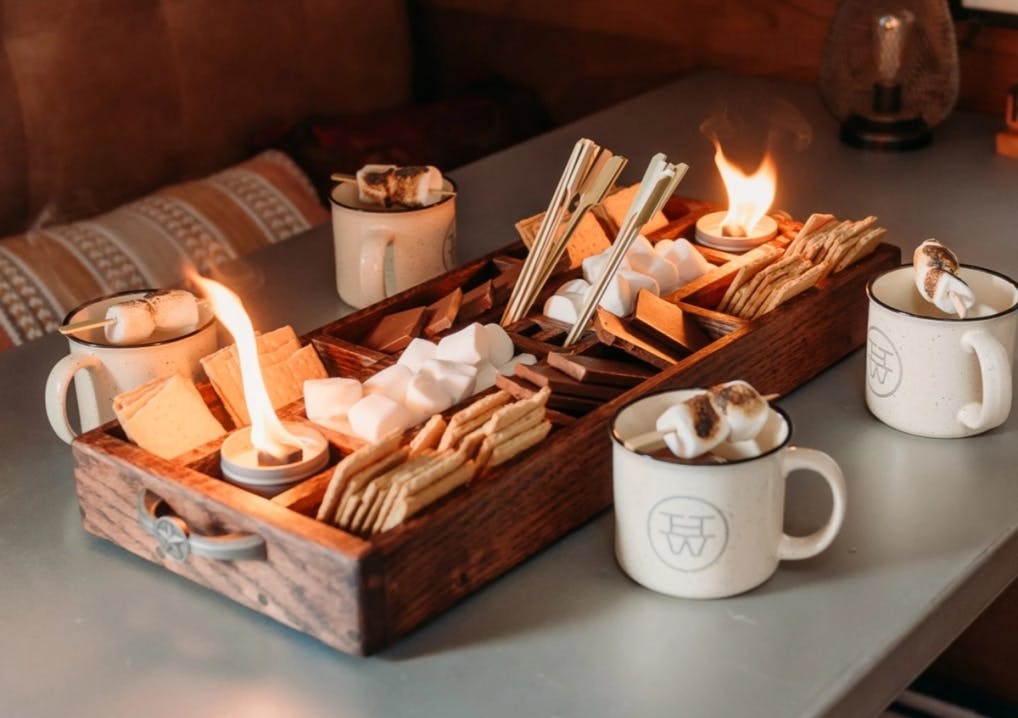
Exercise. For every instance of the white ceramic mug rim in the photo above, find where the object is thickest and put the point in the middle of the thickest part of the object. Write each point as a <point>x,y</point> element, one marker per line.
<point>904,312</point>
<point>103,345</point>
<point>683,462</point>
<point>391,210</point>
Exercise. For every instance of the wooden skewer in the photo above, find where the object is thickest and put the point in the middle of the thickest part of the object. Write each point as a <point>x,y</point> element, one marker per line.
<point>352,179</point>
<point>959,305</point>
<point>658,183</point>
<point>83,326</point>
<point>594,193</point>
<point>582,157</point>
<point>642,442</point>
<point>86,324</point>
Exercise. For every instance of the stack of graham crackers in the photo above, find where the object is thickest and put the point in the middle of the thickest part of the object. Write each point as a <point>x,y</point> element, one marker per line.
<point>380,485</point>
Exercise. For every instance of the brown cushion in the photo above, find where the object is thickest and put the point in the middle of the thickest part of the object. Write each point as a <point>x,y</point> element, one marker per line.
<point>150,242</point>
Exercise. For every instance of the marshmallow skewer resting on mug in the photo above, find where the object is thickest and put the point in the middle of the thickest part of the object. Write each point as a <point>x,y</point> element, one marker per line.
<point>135,320</point>
<point>387,185</point>
<point>936,278</point>
<point>733,411</point>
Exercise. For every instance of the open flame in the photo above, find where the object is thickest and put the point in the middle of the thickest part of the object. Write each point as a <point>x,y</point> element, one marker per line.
<point>749,195</point>
<point>268,435</point>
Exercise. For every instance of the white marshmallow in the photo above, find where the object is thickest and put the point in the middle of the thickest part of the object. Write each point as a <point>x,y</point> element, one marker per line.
<point>469,345</point>
<point>457,379</point>
<point>690,263</point>
<point>376,416</point>
<point>574,286</point>
<point>640,245</point>
<point>638,281</point>
<point>416,353</point>
<point>693,427</point>
<point>391,382</point>
<point>329,397</point>
<point>561,307</point>
<point>486,374</point>
<point>618,297</point>
<point>663,272</point>
<point>173,309</point>
<point>500,344</point>
<point>133,322</point>
<point>509,368</point>
<point>593,266</point>
<point>426,396</point>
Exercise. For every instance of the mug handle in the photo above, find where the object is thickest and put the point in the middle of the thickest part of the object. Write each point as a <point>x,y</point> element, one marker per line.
<point>372,263</point>
<point>995,371</point>
<point>799,547</point>
<point>57,384</point>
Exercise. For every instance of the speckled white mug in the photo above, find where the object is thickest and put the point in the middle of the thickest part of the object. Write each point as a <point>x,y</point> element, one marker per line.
<point>711,530</point>
<point>933,374</point>
<point>101,370</point>
<point>382,251</point>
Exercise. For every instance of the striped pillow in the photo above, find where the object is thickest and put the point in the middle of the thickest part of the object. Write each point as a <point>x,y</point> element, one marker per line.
<point>148,243</point>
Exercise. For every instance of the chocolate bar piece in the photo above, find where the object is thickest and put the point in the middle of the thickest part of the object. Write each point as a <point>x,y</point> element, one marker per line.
<point>666,321</point>
<point>476,302</point>
<point>442,313</point>
<point>560,383</point>
<point>520,388</point>
<point>600,371</point>
<point>615,333</point>
<point>395,331</point>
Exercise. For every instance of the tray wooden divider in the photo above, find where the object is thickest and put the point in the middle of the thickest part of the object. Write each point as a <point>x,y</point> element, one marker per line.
<point>360,595</point>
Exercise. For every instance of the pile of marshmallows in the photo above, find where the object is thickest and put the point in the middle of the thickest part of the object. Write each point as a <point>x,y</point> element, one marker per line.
<point>733,411</point>
<point>427,379</point>
<point>659,268</point>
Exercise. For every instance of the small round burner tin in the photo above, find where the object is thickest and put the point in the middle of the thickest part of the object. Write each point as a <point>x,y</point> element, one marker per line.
<point>710,233</point>
<point>238,459</point>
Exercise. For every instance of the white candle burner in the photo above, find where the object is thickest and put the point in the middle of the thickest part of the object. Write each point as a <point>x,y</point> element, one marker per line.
<point>241,465</point>
<point>710,231</point>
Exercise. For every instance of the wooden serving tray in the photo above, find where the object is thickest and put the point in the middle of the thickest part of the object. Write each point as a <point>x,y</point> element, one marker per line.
<point>360,595</point>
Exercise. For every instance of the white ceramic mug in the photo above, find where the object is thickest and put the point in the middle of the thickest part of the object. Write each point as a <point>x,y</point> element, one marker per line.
<point>101,370</point>
<point>933,374</point>
<point>381,251</point>
<point>710,530</point>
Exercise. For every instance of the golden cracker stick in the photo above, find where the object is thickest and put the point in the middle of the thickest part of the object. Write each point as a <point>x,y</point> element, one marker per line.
<point>356,483</point>
<point>428,436</point>
<point>794,286</point>
<point>519,443</point>
<point>505,416</point>
<point>352,463</point>
<point>349,506</point>
<point>865,243</point>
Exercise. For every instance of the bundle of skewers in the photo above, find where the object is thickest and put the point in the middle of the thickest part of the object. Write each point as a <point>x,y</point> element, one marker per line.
<point>588,177</point>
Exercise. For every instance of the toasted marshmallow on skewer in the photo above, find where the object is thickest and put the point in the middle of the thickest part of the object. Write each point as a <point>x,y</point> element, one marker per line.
<point>132,322</point>
<point>373,183</point>
<point>742,407</point>
<point>173,309</point>
<point>692,427</point>
<point>416,186</point>
<point>936,270</point>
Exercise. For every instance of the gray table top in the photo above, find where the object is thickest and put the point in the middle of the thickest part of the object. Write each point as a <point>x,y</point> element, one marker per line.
<point>931,535</point>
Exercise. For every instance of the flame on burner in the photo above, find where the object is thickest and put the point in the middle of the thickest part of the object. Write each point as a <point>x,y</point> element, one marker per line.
<point>749,195</point>
<point>267,432</point>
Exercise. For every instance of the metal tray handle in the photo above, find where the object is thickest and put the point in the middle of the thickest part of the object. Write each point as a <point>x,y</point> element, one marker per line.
<point>176,540</point>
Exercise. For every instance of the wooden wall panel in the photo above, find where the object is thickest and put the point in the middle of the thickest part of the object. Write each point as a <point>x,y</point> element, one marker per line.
<point>579,55</point>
